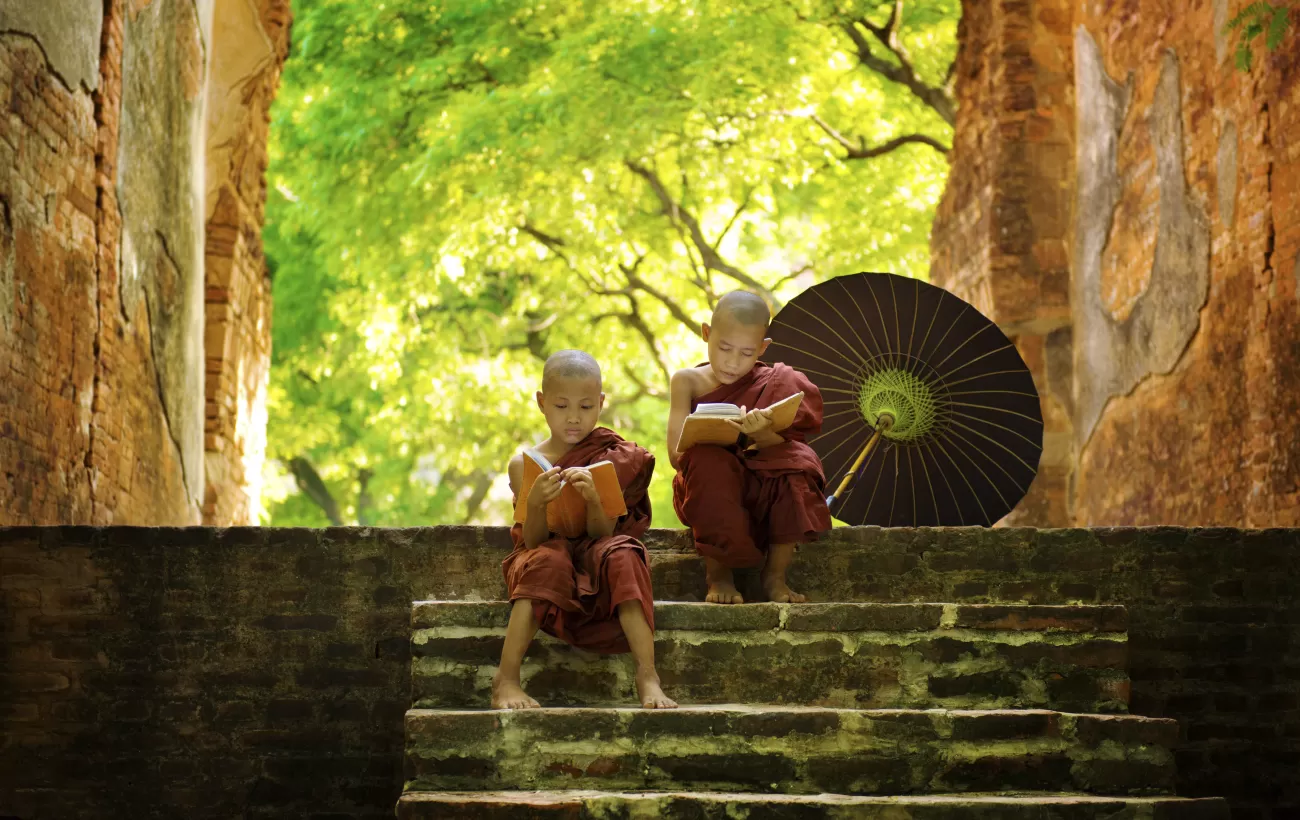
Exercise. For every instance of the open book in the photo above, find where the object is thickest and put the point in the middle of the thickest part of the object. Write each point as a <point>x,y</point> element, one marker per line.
<point>708,424</point>
<point>567,514</point>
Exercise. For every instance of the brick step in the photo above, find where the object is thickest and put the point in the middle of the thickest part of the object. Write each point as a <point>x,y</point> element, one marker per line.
<point>866,656</point>
<point>596,805</point>
<point>789,750</point>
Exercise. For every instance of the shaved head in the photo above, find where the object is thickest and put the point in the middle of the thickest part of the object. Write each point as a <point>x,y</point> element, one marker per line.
<point>743,307</point>
<point>569,364</point>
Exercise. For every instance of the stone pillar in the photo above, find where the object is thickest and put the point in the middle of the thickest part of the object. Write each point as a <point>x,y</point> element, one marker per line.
<point>250,43</point>
<point>1001,235</point>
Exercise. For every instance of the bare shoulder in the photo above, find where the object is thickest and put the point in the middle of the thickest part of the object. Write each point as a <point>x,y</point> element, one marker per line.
<point>688,383</point>
<point>515,470</point>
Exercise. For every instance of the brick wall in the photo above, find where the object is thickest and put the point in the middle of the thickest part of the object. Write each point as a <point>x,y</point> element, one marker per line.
<point>1168,367</point>
<point>102,416</point>
<point>1215,440</point>
<point>1001,233</point>
<point>263,673</point>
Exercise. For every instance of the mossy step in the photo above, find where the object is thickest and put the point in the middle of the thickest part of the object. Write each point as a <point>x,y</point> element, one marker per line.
<point>597,805</point>
<point>867,656</point>
<point>789,750</point>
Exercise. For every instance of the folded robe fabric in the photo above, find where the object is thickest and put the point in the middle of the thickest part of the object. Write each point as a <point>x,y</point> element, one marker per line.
<point>577,584</point>
<point>738,502</point>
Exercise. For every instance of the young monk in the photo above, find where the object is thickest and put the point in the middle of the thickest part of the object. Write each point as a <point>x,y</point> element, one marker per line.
<point>747,505</point>
<point>593,592</point>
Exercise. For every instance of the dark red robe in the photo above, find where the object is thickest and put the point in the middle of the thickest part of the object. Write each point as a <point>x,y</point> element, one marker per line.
<point>577,584</point>
<point>737,503</point>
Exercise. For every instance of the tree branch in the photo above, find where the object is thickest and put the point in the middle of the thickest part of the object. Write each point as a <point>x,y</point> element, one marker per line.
<point>365,504</point>
<point>635,282</point>
<point>311,485</point>
<point>861,151</point>
<point>794,274</point>
<point>731,222</point>
<point>482,484</point>
<point>710,257</point>
<point>939,99</point>
<point>634,318</point>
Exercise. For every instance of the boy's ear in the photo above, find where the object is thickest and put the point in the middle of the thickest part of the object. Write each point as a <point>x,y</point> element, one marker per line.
<point>600,405</point>
<point>704,330</point>
<point>541,403</point>
<point>763,348</point>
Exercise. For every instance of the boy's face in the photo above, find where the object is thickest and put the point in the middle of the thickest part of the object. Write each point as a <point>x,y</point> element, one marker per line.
<point>571,406</point>
<point>733,348</point>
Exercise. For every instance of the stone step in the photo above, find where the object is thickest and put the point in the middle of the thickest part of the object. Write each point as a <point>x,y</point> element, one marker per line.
<point>866,656</point>
<point>596,805</point>
<point>789,750</point>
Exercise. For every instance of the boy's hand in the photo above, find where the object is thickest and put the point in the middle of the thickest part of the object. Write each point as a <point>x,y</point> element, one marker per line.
<point>580,478</point>
<point>545,489</point>
<point>754,421</point>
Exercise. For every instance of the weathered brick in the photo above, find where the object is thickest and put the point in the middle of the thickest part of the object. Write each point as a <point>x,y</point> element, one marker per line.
<point>319,623</point>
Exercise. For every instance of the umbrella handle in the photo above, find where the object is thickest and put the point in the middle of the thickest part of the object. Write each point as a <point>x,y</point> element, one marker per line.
<point>883,423</point>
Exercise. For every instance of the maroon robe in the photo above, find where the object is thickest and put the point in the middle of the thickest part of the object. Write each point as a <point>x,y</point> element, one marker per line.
<point>577,584</point>
<point>738,503</point>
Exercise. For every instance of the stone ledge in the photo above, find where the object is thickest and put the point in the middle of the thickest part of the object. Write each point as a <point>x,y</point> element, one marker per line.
<point>598,805</point>
<point>815,617</point>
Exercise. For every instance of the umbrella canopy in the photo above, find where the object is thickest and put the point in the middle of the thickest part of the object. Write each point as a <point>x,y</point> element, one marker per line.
<point>961,428</point>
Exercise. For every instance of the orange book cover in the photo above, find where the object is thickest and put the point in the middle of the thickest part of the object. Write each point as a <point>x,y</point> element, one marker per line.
<point>711,427</point>
<point>567,515</point>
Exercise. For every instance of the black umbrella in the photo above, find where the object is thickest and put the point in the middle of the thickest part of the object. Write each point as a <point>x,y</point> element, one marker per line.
<point>931,416</point>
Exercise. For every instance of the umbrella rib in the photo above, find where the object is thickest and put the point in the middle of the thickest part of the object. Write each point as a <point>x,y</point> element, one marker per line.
<point>911,477</point>
<point>833,389</point>
<point>898,329</point>
<point>939,446</point>
<point>996,410</point>
<point>875,485</point>
<point>939,344</point>
<point>969,338</point>
<point>861,312</point>
<point>934,314</point>
<point>893,498</point>
<point>852,374</point>
<point>822,372</point>
<point>987,392</point>
<point>956,504</point>
<point>1011,430</point>
<point>985,375</point>
<point>883,324</point>
<point>916,309</point>
<point>839,412</point>
<point>990,481</point>
<point>843,341</point>
<point>1013,453</point>
<point>985,355</point>
<point>836,448</point>
<point>934,497</point>
<point>850,325</point>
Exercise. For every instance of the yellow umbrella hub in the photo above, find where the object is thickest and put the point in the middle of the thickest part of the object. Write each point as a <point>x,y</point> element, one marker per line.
<point>901,394</point>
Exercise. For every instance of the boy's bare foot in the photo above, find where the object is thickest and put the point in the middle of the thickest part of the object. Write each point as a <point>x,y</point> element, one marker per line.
<point>779,592</point>
<point>722,584</point>
<point>509,694</point>
<point>651,693</point>
<point>724,592</point>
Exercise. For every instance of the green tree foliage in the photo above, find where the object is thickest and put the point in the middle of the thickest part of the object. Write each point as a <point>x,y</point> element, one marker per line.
<point>1261,19</point>
<point>460,187</point>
